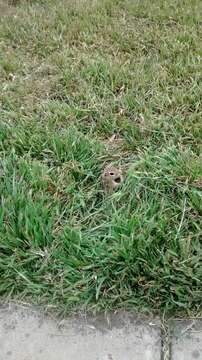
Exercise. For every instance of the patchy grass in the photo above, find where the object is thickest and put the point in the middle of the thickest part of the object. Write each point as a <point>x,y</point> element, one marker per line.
<point>73,74</point>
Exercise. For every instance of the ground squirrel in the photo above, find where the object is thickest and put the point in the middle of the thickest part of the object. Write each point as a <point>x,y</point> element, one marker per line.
<point>111,178</point>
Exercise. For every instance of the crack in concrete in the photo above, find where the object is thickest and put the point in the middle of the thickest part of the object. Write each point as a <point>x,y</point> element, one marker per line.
<point>165,341</point>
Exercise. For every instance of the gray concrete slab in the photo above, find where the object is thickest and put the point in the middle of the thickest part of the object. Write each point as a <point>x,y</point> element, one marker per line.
<point>26,334</point>
<point>186,339</point>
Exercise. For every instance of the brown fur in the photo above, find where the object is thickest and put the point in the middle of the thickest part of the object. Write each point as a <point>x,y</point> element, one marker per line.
<point>111,178</point>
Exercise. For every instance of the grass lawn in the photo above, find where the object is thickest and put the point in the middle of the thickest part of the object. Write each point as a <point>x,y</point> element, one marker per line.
<point>84,84</point>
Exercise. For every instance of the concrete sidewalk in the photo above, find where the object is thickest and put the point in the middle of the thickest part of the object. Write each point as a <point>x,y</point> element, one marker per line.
<point>26,334</point>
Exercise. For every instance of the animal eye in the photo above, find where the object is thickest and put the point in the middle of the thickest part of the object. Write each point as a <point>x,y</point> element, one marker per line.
<point>117,180</point>
<point>111,173</point>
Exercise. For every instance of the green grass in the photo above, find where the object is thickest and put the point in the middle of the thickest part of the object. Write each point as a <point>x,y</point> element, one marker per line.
<point>72,75</point>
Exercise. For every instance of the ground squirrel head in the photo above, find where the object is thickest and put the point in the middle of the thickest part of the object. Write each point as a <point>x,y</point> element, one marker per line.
<point>111,178</point>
